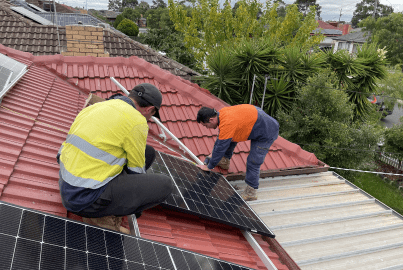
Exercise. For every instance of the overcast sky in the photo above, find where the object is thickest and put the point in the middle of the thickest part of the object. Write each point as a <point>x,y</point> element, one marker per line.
<point>330,8</point>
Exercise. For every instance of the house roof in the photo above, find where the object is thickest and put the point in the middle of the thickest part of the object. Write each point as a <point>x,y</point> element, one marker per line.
<point>25,35</point>
<point>327,29</point>
<point>37,112</point>
<point>354,36</point>
<point>325,222</point>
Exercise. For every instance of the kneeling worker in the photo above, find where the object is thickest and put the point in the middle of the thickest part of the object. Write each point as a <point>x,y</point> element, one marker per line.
<point>104,159</point>
<point>236,124</point>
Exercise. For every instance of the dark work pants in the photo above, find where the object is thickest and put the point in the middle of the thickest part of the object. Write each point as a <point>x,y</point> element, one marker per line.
<point>129,194</point>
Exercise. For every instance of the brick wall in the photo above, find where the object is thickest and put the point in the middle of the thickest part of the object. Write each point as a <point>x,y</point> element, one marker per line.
<point>85,40</point>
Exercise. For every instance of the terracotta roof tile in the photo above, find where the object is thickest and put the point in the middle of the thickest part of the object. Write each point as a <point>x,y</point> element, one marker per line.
<point>54,85</point>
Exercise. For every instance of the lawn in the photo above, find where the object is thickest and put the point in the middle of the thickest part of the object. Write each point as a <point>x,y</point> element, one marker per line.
<point>379,189</point>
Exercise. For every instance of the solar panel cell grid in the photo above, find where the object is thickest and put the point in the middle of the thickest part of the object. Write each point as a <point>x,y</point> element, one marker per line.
<point>206,194</point>
<point>34,240</point>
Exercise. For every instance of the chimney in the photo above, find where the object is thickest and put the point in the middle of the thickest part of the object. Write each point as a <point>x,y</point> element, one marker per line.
<point>346,29</point>
<point>85,40</point>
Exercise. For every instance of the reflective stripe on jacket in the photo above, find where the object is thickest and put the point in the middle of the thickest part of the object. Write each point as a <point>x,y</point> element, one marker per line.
<point>103,139</point>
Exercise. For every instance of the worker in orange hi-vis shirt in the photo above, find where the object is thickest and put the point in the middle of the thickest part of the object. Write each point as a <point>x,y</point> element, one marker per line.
<point>236,124</point>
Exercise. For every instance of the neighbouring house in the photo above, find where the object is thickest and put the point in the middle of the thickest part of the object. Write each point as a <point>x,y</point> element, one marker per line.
<point>24,34</point>
<point>351,41</point>
<point>329,30</point>
<point>142,22</point>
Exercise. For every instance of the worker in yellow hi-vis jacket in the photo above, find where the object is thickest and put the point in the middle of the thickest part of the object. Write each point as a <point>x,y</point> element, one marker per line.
<point>105,157</point>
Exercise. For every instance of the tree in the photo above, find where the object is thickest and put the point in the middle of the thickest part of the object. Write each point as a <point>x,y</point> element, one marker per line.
<point>322,122</point>
<point>169,41</point>
<point>305,5</point>
<point>114,5</point>
<point>131,14</point>
<point>394,142</point>
<point>159,4</point>
<point>120,5</point>
<point>159,18</point>
<point>387,32</point>
<point>129,4</point>
<point>366,9</point>
<point>212,26</point>
<point>143,7</point>
<point>281,9</point>
<point>128,27</point>
<point>118,20</point>
<point>357,74</point>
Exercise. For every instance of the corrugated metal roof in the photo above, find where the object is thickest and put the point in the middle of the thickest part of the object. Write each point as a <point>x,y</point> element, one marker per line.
<point>36,115</point>
<point>325,222</point>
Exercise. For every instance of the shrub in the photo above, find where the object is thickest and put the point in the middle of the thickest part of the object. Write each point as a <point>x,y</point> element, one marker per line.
<point>128,27</point>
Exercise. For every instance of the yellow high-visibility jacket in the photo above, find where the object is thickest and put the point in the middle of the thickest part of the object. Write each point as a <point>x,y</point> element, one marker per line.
<point>103,138</point>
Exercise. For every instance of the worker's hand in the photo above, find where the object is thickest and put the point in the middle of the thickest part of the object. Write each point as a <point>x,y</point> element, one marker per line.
<point>203,167</point>
<point>207,160</point>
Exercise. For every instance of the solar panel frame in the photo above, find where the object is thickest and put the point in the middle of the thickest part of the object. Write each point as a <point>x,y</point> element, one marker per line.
<point>33,16</point>
<point>28,241</point>
<point>207,195</point>
<point>5,77</point>
<point>18,70</point>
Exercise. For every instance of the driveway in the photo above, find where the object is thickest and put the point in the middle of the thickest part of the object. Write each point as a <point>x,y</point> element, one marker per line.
<point>393,119</point>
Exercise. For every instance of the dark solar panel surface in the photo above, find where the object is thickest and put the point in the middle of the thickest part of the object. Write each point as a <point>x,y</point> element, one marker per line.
<point>207,194</point>
<point>35,240</point>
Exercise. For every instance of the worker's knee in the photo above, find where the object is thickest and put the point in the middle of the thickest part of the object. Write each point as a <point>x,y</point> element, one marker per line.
<point>166,184</point>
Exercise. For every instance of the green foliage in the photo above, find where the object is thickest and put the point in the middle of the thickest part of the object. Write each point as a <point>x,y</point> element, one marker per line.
<point>118,20</point>
<point>158,4</point>
<point>365,9</point>
<point>358,74</point>
<point>394,141</point>
<point>128,27</point>
<point>212,25</point>
<point>387,32</point>
<point>391,87</point>
<point>223,82</point>
<point>131,14</point>
<point>380,190</point>
<point>284,68</point>
<point>129,4</point>
<point>168,40</point>
<point>158,18</point>
<point>322,122</point>
<point>304,6</point>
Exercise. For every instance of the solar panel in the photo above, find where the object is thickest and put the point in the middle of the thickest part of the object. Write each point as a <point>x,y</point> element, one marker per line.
<point>18,70</point>
<point>5,77</point>
<point>36,8</point>
<point>35,240</point>
<point>31,15</point>
<point>207,195</point>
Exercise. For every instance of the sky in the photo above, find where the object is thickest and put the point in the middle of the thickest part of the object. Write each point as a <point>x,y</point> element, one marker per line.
<point>331,9</point>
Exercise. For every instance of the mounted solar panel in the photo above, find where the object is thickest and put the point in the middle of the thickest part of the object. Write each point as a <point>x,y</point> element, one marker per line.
<point>5,77</point>
<point>36,8</point>
<point>207,194</point>
<point>17,70</point>
<point>35,240</point>
<point>25,12</point>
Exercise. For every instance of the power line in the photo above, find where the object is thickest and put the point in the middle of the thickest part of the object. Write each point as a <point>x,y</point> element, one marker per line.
<point>383,173</point>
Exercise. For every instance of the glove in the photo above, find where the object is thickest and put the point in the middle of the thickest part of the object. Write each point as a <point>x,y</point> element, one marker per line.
<point>207,160</point>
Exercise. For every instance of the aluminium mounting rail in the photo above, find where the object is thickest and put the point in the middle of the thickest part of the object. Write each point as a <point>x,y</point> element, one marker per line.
<point>248,235</point>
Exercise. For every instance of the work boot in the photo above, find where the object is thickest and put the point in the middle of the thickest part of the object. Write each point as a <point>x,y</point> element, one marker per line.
<point>224,163</point>
<point>249,194</point>
<point>108,222</point>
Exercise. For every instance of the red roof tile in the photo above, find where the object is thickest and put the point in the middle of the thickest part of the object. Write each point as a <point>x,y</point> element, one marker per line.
<point>37,113</point>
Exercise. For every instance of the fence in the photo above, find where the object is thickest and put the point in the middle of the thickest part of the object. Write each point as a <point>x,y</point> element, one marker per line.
<point>386,158</point>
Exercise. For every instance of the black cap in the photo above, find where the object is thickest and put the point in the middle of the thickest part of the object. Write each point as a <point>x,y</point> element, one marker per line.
<point>151,94</point>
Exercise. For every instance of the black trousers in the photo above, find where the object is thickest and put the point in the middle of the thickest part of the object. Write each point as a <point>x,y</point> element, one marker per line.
<point>129,194</point>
